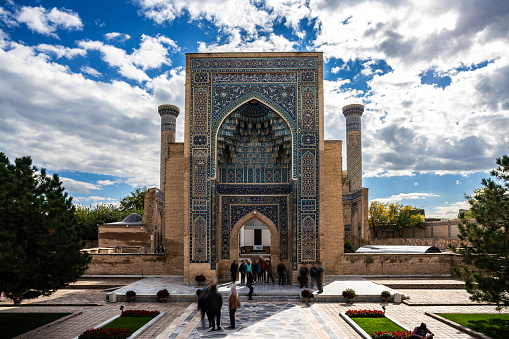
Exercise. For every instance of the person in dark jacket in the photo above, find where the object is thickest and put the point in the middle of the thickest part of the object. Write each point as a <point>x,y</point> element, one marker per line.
<point>269,272</point>
<point>214,304</point>
<point>281,272</point>
<point>242,270</point>
<point>250,286</point>
<point>233,271</point>
<point>303,276</point>
<point>319,277</point>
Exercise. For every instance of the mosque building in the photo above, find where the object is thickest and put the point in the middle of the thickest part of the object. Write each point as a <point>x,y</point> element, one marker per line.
<point>254,175</point>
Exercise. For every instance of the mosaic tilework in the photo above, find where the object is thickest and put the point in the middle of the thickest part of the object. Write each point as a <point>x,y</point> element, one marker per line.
<point>308,109</point>
<point>200,173</point>
<point>254,189</point>
<point>308,238</point>
<point>256,63</point>
<point>308,173</point>
<point>200,110</point>
<point>235,207</point>
<point>354,163</point>
<point>254,77</point>
<point>200,236</point>
<point>289,89</point>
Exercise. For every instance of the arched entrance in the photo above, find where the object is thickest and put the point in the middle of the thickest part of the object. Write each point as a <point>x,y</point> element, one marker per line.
<point>274,236</point>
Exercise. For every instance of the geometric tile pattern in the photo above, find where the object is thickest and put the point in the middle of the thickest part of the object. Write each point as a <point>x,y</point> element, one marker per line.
<point>269,154</point>
<point>235,207</point>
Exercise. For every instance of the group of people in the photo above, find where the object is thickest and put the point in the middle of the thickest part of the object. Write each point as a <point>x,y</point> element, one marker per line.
<point>210,302</point>
<point>260,270</point>
<point>315,273</point>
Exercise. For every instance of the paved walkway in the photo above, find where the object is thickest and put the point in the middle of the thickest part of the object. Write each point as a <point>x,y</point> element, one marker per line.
<point>279,319</point>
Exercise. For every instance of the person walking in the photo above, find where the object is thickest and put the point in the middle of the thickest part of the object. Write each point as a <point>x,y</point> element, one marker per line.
<point>255,270</point>
<point>281,272</point>
<point>263,264</point>
<point>242,270</point>
<point>233,304</point>
<point>233,271</point>
<point>214,304</point>
<point>202,306</point>
<point>249,285</point>
<point>303,276</point>
<point>319,277</point>
<point>269,272</point>
<point>313,272</point>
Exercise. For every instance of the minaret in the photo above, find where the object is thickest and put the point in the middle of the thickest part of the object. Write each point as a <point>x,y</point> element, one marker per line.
<point>169,114</point>
<point>353,115</point>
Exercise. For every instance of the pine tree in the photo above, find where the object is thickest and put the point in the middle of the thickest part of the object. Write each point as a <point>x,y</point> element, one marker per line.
<point>484,245</point>
<point>39,247</point>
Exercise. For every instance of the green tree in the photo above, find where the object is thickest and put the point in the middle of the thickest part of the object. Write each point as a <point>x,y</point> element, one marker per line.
<point>408,217</point>
<point>378,217</point>
<point>348,247</point>
<point>88,218</point>
<point>40,251</point>
<point>134,202</point>
<point>484,244</point>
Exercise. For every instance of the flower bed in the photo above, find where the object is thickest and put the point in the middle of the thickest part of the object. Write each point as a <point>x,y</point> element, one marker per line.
<point>365,314</point>
<point>122,327</point>
<point>392,335</point>
<point>377,324</point>
<point>106,333</point>
<point>140,313</point>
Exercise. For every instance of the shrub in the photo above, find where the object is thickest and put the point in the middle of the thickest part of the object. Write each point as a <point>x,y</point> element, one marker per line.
<point>107,333</point>
<point>163,293</point>
<point>130,294</point>
<point>200,278</point>
<point>391,335</point>
<point>349,293</point>
<point>307,294</point>
<point>140,313</point>
<point>386,294</point>
<point>365,314</point>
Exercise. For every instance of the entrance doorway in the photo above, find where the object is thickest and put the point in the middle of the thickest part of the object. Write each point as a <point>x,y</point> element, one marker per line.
<point>254,240</point>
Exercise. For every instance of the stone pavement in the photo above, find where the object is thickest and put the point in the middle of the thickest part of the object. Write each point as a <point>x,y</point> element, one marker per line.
<point>332,289</point>
<point>262,319</point>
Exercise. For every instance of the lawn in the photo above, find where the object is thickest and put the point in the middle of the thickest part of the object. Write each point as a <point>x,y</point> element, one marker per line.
<point>14,324</point>
<point>132,323</point>
<point>371,325</point>
<point>493,325</point>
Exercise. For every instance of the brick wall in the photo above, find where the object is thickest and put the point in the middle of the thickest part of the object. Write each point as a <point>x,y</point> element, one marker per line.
<point>132,264</point>
<point>122,235</point>
<point>399,264</point>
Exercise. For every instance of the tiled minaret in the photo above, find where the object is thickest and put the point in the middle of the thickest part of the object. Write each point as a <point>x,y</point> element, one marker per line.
<point>353,115</point>
<point>169,114</point>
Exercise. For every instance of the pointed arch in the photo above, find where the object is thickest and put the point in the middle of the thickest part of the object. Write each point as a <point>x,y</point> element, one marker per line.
<point>274,235</point>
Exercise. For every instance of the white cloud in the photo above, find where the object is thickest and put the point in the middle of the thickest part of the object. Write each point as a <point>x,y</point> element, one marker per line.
<point>122,37</point>
<point>45,22</point>
<point>238,43</point>
<point>450,211</point>
<point>91,71</point>
<point>94,199</point>
<point>69,122</point>
<point>108,182</point>
<point>153,53</point>
<point>406,196</point>
<point>75,186</point>
<point>61,51</point>
<point>458,182</point>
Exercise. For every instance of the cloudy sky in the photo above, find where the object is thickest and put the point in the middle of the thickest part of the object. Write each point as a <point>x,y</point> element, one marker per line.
<point>80,82</point>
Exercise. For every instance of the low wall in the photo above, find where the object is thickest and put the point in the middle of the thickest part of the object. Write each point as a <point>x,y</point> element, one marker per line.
<point>437,242</point>
<point>134,264</point>
<point>400,264</point>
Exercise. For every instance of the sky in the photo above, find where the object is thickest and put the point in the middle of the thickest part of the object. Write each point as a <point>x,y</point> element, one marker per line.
<point>80,82</point>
